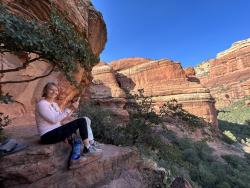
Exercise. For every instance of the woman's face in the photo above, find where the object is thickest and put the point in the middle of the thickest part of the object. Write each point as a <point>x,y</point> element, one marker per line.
<point>52,92</point>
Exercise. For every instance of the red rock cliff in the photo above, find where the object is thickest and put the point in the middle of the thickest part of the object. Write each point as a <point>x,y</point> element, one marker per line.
<point>106,91</point>
<point>163,80</point>
<point>228,75</point>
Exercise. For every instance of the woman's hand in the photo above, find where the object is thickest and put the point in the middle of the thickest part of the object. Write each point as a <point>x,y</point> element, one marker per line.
<point>75,105</point>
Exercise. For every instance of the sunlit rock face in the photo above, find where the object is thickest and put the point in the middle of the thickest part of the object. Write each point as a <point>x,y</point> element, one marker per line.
<point>106,91</point>
<point>127,63</point>
<point>87,21</point>
<point>228,75</point>
<point>164,80</point>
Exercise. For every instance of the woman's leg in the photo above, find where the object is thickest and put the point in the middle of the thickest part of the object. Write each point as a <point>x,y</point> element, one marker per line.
<point>90,133</point>
<point>64,131</point>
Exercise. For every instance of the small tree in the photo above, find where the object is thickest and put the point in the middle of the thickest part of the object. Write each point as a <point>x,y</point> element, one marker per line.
<point>174,109</point>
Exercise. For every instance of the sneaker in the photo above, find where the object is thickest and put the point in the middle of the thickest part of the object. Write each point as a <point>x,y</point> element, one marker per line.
<point>92,150</point>
<point>96,144</point>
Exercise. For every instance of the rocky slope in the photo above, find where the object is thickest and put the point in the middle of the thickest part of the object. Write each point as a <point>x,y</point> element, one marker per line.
<point>228,75</point>
<point>161,79</point>
<point>88,22</point>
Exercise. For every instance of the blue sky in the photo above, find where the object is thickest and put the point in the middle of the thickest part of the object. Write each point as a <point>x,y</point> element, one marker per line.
<point>188,31</point>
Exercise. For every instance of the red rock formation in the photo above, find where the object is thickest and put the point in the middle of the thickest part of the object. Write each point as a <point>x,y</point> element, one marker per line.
<point>228,75</point>
<point>190,75</point>
<point>189,71</point>
<point>87,21</point>
<point>106,91</point>
<point>80,13</point>
<point>127,62</point>
<point>165,80</point>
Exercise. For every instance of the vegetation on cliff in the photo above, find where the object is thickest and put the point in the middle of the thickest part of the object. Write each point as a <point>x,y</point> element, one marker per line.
<point>4,119</point>
<point>178,156</point>
<point>234,122</point>
<point>54,41</point>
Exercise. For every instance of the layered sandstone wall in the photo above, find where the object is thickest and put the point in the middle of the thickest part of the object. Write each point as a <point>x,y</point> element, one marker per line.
<point>228,75</point>
<point>162,79</point>
<point>106,91</point>
<point>127,62</point>
<point>87,21</point>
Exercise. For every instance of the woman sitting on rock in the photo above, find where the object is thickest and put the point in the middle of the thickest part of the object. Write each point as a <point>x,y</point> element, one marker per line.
<point>49,117</point>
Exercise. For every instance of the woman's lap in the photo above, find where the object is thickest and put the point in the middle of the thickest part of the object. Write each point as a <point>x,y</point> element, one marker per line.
<point>60,134</point>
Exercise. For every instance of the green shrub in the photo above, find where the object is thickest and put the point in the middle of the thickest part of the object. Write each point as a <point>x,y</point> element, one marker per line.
<point>5,98</point>
<point>234,122</point>
<point>140,108</point>
<point>236,162</point>
<point>191,156</point>
<point>103,123</point>
<point>206,177</point>
<point>229,137</point>
<point>174,109</point>
<point>238,112</point>
<point>240,131</point>
<point>4,119</point>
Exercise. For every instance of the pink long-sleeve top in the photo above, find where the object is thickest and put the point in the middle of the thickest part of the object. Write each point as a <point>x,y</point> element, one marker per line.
<point>49,116</point>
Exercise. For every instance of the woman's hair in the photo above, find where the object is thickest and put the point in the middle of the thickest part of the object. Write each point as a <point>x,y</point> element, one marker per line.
<point>46,87</point>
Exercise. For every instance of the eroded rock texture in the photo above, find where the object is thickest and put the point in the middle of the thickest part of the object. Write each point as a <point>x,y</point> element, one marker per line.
<point>228,75</point>
<point>46,166</point>
<point>161,79</point>
<point>87,21</point>
<point>106,91</point>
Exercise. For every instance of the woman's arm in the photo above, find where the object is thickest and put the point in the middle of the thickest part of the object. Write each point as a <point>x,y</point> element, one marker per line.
<point>50,115</point>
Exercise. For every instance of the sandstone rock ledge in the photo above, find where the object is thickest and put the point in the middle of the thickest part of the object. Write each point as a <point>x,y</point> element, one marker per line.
<point>46,166</point>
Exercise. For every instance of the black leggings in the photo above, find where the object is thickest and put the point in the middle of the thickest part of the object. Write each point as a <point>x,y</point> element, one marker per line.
<point>61,133</point>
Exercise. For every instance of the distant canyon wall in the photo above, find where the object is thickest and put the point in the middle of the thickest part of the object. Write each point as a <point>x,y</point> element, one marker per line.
<point>87,21</point>
<point>162,79</point>
<point>228,75</point>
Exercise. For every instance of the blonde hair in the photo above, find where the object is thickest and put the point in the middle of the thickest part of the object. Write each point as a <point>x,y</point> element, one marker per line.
<point>46,87</point>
